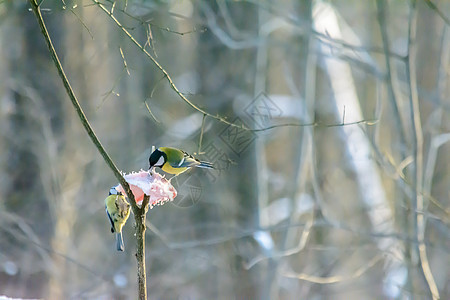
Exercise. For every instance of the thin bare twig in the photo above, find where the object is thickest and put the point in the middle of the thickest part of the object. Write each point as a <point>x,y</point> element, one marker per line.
<point>111,91</point>
<point>335,279</point>
<point>151,113</point>
<point>201,135</point>
<point>124,60</point>
<point>78,17</point>
<point>317,124</point>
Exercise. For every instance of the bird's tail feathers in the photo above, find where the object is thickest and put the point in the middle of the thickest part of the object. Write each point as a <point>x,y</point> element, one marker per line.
<point>206,165</point>
<point>119,242</point>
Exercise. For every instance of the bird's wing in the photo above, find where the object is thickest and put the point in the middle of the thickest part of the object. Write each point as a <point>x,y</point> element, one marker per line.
<point>180,159</point>
<point>174,155</point>
<point>110,220</point>
<point>188,161</point>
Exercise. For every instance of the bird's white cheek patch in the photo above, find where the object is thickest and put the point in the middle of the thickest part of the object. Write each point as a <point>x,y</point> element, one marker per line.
<point>181,162</point>
<point>160,161</point>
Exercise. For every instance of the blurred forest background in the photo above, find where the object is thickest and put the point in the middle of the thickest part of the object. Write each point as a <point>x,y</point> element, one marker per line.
<point>340,190</point>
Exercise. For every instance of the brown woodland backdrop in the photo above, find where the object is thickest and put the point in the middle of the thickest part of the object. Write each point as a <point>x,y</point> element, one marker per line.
<point>328,123</point>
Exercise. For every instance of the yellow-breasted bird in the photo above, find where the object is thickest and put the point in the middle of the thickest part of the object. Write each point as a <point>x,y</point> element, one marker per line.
<point>175,161</point>
<point>118,211</point>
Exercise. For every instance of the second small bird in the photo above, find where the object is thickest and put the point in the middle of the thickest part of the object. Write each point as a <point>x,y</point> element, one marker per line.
<point>175,161</point>
<point>118,211</point>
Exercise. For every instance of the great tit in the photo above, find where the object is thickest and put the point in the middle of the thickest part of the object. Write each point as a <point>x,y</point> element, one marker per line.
<point>175,161</point>
<point>118,211</point>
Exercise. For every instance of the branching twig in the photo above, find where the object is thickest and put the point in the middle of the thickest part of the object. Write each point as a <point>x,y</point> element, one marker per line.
<point>194,106</point>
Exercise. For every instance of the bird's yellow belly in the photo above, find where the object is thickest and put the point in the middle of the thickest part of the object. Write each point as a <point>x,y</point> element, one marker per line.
<point>175,171</point>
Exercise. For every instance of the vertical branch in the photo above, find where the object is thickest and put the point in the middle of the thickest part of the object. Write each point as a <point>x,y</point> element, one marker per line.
<point>438,139</point>
<point>417,143</point>
<point>368,179</point>
<point>382,22</point>
<point>140,217</point>
<point>304,158</point>
<point>261,167</point>
<point>381,11</point>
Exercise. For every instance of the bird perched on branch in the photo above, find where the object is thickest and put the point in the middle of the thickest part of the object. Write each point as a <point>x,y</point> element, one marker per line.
<point>175,161</point>
<point>118,211</point>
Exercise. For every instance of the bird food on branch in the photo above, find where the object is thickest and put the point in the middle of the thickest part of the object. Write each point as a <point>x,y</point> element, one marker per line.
<point>152,184</point>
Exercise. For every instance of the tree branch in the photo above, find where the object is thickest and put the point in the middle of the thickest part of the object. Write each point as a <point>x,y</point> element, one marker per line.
<point>139,213</point>
<point>140,253</point>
